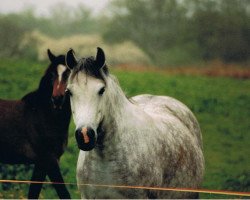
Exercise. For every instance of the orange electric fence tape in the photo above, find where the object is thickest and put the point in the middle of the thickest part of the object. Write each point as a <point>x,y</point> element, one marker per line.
<point>221,192</point>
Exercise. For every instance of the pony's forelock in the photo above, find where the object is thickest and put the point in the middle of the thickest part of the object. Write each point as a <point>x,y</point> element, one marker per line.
<point>88,66</point>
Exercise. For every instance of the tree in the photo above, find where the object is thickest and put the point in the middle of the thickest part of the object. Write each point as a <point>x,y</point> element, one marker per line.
<point>152,25</point>
<point>67,20</point>
<point>11,35</point>
<point>222,29</point>
<point>183,30</point>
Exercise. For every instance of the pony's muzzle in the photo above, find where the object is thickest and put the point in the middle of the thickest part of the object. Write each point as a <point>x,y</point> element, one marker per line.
<point>86,139</point>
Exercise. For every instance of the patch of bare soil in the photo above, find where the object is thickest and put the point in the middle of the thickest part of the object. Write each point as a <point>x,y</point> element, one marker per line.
<point>215,69</point>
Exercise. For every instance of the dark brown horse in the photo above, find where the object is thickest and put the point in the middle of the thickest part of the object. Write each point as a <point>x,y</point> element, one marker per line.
<point>34,130</point>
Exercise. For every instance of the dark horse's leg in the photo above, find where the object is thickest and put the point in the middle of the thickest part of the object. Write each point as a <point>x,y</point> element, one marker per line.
<point>56,176</point>
<point>39,175</point>
<point>50,167</point>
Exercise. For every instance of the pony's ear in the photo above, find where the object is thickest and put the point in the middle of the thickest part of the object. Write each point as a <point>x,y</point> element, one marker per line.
<point>51,55</point>
<point>100,58</point>
<point>70,59</point>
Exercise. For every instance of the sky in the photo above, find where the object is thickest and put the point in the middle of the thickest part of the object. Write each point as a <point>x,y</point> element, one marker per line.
<point>41,7</point>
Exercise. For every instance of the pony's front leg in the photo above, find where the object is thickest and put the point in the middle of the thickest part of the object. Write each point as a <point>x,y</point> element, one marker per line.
<point>56,177</point>
<point>39,175</point>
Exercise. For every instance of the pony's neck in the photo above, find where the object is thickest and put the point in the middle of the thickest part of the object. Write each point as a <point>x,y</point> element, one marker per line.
<point>119,108</point>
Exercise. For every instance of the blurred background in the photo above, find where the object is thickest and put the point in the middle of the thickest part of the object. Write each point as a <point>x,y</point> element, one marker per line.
<point>161,33</point>
<point>197,51</point>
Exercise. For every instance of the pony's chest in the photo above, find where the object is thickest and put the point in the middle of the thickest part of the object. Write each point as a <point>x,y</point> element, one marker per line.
<point>102,171</point>
<point>100,167</point>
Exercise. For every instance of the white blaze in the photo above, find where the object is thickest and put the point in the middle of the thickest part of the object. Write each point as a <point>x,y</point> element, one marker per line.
<point>60,70</point>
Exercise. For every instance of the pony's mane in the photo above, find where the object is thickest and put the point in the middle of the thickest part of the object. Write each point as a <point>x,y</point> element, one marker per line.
<point>118,90</point>
<point>89,67</point>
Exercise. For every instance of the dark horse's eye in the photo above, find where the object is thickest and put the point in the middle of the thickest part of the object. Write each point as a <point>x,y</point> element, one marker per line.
<point>101,91</point>
<point>68,92</point>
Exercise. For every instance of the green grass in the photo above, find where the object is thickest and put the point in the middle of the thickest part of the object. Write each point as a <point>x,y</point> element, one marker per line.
<point>221,106</point>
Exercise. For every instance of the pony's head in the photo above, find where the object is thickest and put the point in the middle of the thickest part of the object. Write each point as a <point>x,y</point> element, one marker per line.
<point>57,75</point>
<point>87,89</point>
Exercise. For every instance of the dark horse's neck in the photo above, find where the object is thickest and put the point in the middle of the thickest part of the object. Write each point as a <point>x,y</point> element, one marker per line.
<point>40,99</point>
<point>39,104</point>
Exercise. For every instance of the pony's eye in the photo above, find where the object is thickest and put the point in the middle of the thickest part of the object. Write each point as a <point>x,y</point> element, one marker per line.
<point>68,92</point>
<point>101,91</point>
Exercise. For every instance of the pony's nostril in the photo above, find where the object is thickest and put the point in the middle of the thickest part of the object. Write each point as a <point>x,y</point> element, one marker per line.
<point>90,131</point>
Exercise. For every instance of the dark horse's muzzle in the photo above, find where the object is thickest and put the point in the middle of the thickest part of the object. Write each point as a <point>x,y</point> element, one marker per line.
<point>86,139</point>
<point>57,101</point>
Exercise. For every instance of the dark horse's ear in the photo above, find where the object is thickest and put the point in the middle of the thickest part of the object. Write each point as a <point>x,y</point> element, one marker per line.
<point>71,61</point>
<point>100,58</point>
<point>51,55</point>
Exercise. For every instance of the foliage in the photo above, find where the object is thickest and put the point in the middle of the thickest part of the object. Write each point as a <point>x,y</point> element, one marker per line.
<point>26,35</point>
<point>220,104</point>
<point>63,21</point>
<point>170,32</point>
<point>214,29</point>
<point>125,52</point>
<point>222,28</point>
<point>11,34</point>
<point>14,29</point>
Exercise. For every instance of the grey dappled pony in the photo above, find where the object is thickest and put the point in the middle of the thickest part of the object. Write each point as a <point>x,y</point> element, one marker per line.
<point>146,140</point>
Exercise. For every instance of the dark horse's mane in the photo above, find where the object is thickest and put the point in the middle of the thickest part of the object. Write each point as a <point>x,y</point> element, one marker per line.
<point>33,130</point>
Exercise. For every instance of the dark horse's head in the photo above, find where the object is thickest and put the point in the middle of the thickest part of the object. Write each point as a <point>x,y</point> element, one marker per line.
<point>54,81</point>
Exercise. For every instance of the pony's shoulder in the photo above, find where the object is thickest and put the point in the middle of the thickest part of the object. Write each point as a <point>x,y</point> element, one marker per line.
<point>149,99</point>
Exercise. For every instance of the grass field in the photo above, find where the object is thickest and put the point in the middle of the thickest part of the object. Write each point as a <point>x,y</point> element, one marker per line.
<point>220,104</point>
